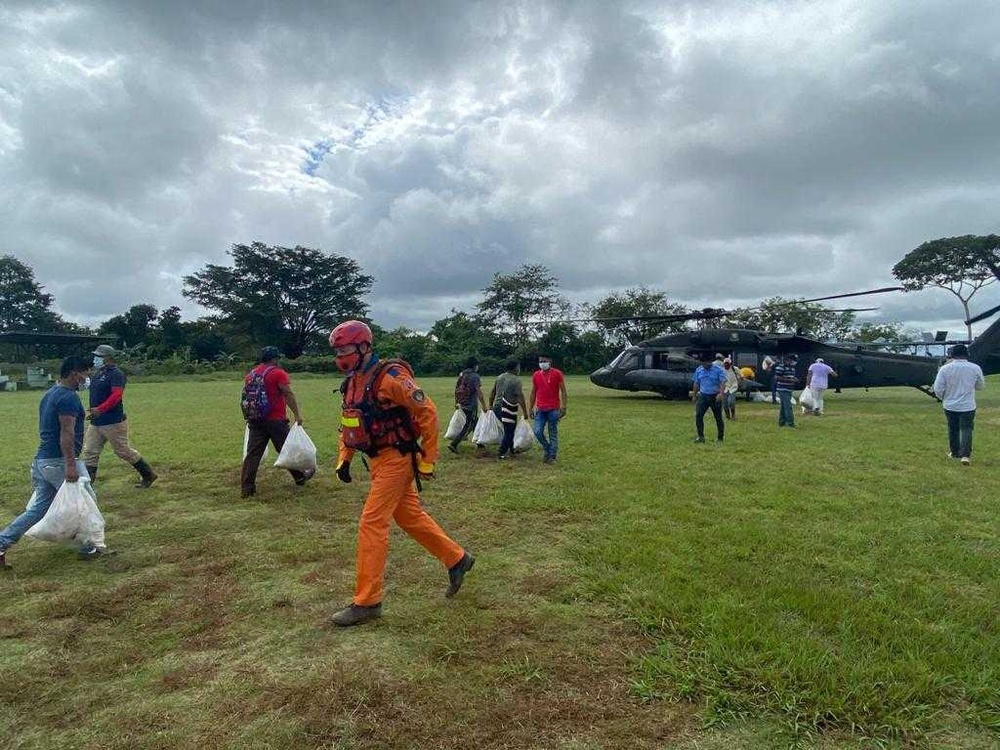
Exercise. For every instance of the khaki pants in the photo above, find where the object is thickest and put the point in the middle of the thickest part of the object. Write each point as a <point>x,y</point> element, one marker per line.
<point>96,436</point>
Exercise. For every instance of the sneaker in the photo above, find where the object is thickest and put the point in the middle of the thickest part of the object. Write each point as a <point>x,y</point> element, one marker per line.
<point>951,455</point>
<point>248,493</point>
<point>95,552</point>
<point>354,614</point>
<point>307,475</point>
<point>966,461</point>
<point>4,565</point>
<point>718,440</point>
<point>456,574</point>
<point>698,440</point>
<point>452,448</point>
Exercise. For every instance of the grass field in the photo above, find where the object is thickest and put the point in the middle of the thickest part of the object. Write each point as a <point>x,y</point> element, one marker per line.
<point>834,586</point>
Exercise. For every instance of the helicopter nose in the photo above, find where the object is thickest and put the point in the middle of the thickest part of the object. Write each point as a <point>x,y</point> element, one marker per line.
<point>601,376</point>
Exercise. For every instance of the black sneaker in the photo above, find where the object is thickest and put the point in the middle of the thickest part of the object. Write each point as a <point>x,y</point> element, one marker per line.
<point>307,475</point>
<point>4,565</point>
<point>698,440</point>
<point>356,615</point>
<point>452,448</point>
<point>456,574</point>
<point>95,552</point>
<point>248,493</point>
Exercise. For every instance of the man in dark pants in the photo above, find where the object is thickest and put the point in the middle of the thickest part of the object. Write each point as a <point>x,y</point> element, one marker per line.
<point>106,417</point>
<point>469,401</point>
<point>274,426</point>
<point>956,385</point>
<point>708,391</point>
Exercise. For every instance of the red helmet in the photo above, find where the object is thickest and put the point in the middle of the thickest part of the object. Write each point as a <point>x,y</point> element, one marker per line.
<point>350,332</point>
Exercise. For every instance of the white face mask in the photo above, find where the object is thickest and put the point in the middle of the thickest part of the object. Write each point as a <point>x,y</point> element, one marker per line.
<point>544,365</point>
<point>98,362</point>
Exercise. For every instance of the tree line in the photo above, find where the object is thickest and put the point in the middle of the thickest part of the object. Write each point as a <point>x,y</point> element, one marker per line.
<point>293,297</point>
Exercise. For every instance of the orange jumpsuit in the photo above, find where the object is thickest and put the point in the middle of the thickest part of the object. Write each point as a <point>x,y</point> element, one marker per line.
<point>393,494</point>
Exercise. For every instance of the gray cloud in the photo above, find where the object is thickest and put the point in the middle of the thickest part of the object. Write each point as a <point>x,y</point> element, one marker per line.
<point>722,152</point>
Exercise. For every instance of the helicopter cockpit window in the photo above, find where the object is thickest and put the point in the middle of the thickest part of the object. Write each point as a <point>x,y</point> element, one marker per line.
<point>628,360</point>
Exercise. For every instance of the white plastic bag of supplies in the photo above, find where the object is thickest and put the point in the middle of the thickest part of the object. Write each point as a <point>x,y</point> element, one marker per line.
<point>455,425</point>
<point>246,444</point>
<point>298,452</point>
<point>72,517</point>
<point>524,436</point>
<point>489,430</point>
<point>806,400</point>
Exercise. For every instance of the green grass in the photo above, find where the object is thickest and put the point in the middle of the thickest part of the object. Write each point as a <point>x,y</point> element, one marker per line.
<point>834,586</point>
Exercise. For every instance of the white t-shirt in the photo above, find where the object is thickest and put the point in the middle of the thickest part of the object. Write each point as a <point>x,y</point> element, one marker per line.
<point>956,384</point>
<point>820,375</point>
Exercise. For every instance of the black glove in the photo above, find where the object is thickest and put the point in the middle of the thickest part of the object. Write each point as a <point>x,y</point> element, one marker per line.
<point>344,472</point>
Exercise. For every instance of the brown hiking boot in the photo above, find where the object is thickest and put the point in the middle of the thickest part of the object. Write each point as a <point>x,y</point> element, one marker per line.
<point>354,614</point>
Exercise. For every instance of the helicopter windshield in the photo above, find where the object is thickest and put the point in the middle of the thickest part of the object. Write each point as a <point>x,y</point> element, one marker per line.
<point>627,360</point>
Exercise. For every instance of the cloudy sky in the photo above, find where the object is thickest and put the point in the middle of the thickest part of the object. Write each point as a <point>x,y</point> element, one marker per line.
<point>721,151</point>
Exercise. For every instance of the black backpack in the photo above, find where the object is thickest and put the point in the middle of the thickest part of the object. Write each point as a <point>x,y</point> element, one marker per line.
<point>254,401</point>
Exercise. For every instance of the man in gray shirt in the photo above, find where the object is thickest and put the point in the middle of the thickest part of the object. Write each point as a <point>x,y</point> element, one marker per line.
<point>506,395</point>
<point>956,384</point>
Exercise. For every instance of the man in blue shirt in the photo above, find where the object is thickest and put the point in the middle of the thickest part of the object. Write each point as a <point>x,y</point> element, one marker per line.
<point>107,418</point>
<point>708,391</point>
<point>60,433</point>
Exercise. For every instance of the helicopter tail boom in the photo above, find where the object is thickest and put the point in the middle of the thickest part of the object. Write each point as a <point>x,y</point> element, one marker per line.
<point>985,350</point>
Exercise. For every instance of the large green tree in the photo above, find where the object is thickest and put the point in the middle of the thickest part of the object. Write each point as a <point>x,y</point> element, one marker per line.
<point>23,304</point>
<point>133,327</point>
<point>630,316</point>
<point>961,265</point>
<point>807,318</point>
<point>518,303</point>
<point>287,296</point>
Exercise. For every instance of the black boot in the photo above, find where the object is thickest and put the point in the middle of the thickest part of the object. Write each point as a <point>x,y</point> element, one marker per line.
<point>92,470</point>
<point>147,474</point>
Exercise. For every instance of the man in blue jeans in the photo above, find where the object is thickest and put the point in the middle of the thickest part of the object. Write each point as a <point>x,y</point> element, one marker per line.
<point>956,385</point>
<point>547,405</point>
<point>60,431</point>
<point>783,382</point>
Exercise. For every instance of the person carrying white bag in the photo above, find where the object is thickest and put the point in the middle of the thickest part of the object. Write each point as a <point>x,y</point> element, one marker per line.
<point>298,452</point>
<point>60,430</point>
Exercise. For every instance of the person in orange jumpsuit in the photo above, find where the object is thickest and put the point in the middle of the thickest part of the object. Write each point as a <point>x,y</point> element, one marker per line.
<point>388,417</point>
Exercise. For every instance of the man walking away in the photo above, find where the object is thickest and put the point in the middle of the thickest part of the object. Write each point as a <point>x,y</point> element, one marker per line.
<point>817,381</point>
<point>505,397</point>
<point>548,405</point>
<point>956,385</point>
<point>60,436</point>
<point>272,425</point>
<point>468,398</point>
<point>709,380</point>
<point>107,418</point>
<point>783,381</point>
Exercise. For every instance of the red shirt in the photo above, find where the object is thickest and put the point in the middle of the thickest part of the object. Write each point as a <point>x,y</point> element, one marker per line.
<point>275,398</point>
<point>546,384</point>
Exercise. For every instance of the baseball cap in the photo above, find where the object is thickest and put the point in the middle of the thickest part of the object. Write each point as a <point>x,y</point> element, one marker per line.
<point>269,352</point>
<point>103,350</point>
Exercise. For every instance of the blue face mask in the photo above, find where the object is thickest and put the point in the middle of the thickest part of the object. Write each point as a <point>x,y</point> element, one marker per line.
<point>98,362</point>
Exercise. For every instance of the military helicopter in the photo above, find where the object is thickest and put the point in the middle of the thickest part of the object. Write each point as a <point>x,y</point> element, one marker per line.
<point>664,364</point>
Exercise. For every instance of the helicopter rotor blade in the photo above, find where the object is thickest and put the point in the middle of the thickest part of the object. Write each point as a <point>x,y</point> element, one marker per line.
<point>883,290</point>
<point>982,315</point>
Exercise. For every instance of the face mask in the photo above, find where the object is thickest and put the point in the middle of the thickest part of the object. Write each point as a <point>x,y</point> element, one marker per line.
<point>98,362</point>
<point>349,362</point>
<point>544,365</point>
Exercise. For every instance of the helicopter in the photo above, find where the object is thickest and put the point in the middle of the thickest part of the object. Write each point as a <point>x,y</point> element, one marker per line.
<point>664,364</point>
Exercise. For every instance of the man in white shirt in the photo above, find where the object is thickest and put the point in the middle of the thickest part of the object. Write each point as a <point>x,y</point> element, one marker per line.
<point>956,384</point>
<point>817,381</point>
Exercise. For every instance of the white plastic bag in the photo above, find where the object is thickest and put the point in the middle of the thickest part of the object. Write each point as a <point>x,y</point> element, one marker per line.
<point>455,425</point>
<point>246,444</point>
<point>72,517</point>
<point>298,452</point>
<point>806,399</point>
<point>524,436</point>
<point>489,430</point>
